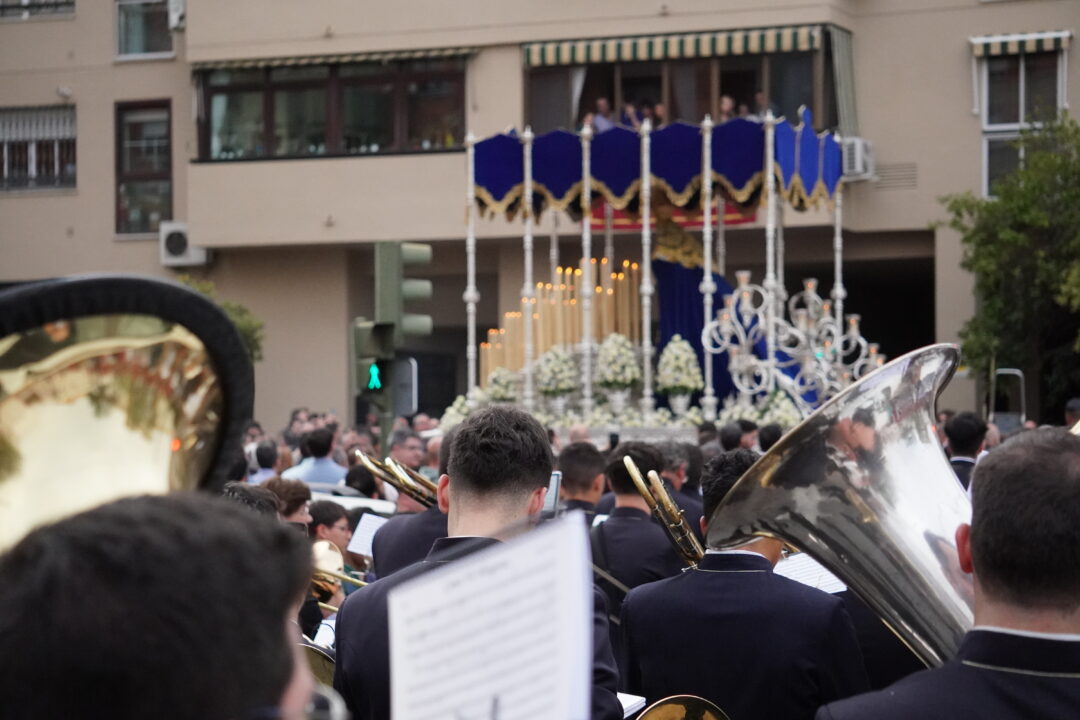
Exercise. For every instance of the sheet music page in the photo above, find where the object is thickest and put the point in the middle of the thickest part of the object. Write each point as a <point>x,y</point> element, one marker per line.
<point>631,703</point>
<point>365,533</point>
<point>805,569</point>
<point>503,634</point>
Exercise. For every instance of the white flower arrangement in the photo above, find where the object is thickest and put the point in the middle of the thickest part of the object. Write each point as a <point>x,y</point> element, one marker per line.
<point>502,385</point>
<point>678,372</point>
<point>776,407</point>
<point>616,366</point>
<point>455,414</point>
<point>557,372</point>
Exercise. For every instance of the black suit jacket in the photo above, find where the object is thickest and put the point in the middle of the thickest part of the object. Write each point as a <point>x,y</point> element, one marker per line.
<point>758,645</point>
<point>362,671</point>
<point>962,468</point>
<point>692,508</point>
<point>994,675</point>
<point>886,658</point>
<point>406,539</point>
<point>586,507</point>
<point>634,549</point>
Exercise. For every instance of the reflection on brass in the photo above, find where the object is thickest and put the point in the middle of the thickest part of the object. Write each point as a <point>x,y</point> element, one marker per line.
<point>99,407</point>
<point>683,707</point>
<point>863,486</point>
<point>667,512</point>
<point>398,477</point>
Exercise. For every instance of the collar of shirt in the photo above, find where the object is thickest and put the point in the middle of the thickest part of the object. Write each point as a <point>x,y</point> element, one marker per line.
<point>733,552</point>
<point>1066,637</point>
<point>962,458</point>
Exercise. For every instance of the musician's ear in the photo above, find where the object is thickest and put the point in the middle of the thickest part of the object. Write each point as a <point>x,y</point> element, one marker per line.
<point>704,526</point>
<point>443,493</point>
<point>963,547</point>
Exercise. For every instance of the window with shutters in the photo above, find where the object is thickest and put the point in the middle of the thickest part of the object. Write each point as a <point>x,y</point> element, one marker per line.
<point>37,147</point>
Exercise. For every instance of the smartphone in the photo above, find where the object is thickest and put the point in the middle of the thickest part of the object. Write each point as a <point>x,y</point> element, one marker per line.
<point>551,502</point>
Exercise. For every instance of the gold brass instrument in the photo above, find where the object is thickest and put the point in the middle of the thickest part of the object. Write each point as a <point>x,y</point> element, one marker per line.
<point>398,478</point>
<point>667,512</point>
<point>863,486</point>
<point>683,707</point>
<point>329,565</point>
<point>421,484</point>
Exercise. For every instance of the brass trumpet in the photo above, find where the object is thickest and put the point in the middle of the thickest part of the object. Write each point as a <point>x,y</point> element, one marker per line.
<point>668,513</point>
<point>421,490</point>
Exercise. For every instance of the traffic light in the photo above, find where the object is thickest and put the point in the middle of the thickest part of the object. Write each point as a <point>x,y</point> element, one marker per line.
<point>393,290</point>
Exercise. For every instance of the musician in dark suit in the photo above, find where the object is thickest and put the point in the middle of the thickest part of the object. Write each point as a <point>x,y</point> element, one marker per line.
<point>691,506</point>
<point>1022,657</point>
<point>966,432</point>
<point>582,468</point>
<point>499,469</point>
<point>406,538</point>
<point>757,644</point>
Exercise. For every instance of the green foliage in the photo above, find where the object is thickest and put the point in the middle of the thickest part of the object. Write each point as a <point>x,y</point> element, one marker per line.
<point>1023,246</point>
<point>251,328</point>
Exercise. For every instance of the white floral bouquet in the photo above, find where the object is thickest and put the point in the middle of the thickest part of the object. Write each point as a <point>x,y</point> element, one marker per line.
<point>502,385</point>
<point>616,366</point>
<point>779,408</point>
<point>556,372</point>
<point>678,372</point>
<point>455,414</point>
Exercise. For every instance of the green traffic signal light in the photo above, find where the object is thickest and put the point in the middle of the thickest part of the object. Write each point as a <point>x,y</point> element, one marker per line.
<point>374,378</point>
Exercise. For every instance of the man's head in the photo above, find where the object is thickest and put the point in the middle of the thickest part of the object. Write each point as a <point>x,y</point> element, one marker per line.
<point>768,435</point>
<point>254,497</point>
<point>603,107</point>
<point>182,582</point>
<point>749,433</point>
<point>422,422</point>
<point>675,462</point>
<point>966,432</point>
<point>1024,539</point>
<point>294,496</point>
<point>580,433</point>
<point>319,442</point>
<point>706,433</point>
<point>731,436</point>
<point>431,454</point>
<point>266,454</point>
<point>582,468</point>
<point>1072,412</point>
<point>407,448</point>
<point>695,463</point>
<point>329,522</point>
<point>645,456</point>
<point>498,473</point>
<point>720,475</point>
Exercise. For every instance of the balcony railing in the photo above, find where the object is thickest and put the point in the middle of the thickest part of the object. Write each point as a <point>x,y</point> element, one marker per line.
<point>23,9</point>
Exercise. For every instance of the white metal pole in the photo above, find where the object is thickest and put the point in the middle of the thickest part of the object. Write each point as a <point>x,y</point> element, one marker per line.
<point>838,290</point>
<point>770,249</point>
<point>528,293</point>
<point>721,239</point>
<point>588,282</point>
<point>472,294</point>
<point>647,403</point>
<point>781,285</point>
<point>708,286</point>
<point>609,245</point>
<point>553,249</point>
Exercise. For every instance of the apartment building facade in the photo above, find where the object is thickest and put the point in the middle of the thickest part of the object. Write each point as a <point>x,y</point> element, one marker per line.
<point>286,138</point>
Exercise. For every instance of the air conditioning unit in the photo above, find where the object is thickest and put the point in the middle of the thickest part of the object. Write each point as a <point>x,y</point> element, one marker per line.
<point>858,158</point>
<point>176,249</point>
<point>177,14</point>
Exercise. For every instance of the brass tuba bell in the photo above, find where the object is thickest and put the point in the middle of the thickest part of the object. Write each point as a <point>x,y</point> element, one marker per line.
<point>863,486</point>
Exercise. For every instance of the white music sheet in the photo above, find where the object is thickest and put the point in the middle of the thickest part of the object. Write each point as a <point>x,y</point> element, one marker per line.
<point>503,634</point>
<point>365,533</point>
<point>805,569</point>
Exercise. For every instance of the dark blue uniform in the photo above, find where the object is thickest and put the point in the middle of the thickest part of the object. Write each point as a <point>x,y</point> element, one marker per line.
<point>362,671</point>
<point>691,507</point>
<point>758,645</point>
<point>994,675</point>
<point>406,539</point>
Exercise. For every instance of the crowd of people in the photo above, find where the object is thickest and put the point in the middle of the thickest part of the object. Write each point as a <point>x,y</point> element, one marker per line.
<point>634,113</point>
<point>225,585</point>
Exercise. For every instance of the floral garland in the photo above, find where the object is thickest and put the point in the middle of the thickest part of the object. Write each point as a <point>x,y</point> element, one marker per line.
<point>502,385</point>
<point>557,373</point>
<point>678,372</point>
<point>455,414</point>
<point>616,366</point>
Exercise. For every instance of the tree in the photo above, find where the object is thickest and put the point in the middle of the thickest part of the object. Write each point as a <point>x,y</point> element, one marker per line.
<point>1023,246</point>
<point>250,327</point>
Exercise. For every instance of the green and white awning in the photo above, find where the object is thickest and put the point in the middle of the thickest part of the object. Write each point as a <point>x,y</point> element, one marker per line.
<point>1016,43</point>
<point>338,58</point>
<point>674,46</point>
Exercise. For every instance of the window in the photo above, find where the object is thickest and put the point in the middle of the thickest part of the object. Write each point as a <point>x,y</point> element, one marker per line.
<point>37,148</point>
<point>143,166</point>
<point>23,9</point>
<point>1019,92</point>
<point>320,110</point>
<point>142,27</point>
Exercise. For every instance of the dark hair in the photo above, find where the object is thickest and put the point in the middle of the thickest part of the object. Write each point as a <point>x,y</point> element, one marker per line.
<point>444,451</point>
<point>580,463</point>
<point>695,463</point>
<point>1025,527</point>
<point>167,582</point>
<point>720,475</point>
<point>255,497</point>
<point>292,493</point>
<point>706,432</point>
<point>1073,407</point>
<point>673,455</point>
<point>966,432</point>
<point>266,454</point>
<point>645,456</point>
<point>319,441</point>
<point>747,425</point>
<point>252,424</point>
<point>324,512</point>
<point>361,479</point>
<point>731,436</point>
<point>768,435</point>
<point>400,437</point>
<point>499,451</point>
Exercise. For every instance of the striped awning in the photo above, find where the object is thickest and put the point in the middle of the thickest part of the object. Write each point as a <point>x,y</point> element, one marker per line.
<point>51,122</point>
<point>674,46</point>
<point>1014,44</point>
<point>335,59</point>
